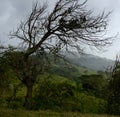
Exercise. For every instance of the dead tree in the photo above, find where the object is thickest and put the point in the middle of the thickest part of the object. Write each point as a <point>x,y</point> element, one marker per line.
<point>68,26</point>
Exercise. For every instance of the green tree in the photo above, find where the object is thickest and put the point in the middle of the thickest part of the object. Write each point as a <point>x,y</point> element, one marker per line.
<point>3,79</point>
<point>114,90</point>
<point>68,26</point>
<point>4,70</point>
<point>94,84</point>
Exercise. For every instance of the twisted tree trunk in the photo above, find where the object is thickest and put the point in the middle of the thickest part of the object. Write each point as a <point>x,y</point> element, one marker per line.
<point>29,86</point>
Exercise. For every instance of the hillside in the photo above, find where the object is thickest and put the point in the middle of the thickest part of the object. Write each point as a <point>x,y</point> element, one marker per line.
<point>69,69</point>
<point>64,86</point>
<point>90,61</point>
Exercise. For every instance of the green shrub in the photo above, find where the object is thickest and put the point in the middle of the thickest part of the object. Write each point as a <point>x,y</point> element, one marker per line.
<point>91,104</point>
<point>56,95</point>
<point>16,103</point>
<point>61,94</point>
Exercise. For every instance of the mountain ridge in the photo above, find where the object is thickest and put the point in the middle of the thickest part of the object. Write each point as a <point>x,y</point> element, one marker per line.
<point>90,61</point>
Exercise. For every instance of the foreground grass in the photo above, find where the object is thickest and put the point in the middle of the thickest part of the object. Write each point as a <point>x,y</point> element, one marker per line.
<point>22,113</point>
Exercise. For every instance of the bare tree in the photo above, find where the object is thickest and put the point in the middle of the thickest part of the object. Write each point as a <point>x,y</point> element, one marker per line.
<point>68,26</point>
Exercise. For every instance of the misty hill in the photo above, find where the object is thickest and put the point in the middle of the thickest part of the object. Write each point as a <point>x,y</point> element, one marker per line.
<point>90,61</point>
<point>68,70</point>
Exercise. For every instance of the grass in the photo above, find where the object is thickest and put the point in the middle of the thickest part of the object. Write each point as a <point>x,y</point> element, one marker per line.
<point>23,113</point>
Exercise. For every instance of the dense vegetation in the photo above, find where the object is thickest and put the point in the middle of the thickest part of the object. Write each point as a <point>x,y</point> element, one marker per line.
<point>38,76</point>
<point>61,88</point>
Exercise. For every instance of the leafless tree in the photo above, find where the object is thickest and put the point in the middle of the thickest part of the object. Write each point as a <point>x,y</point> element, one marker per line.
<point>68,26</point>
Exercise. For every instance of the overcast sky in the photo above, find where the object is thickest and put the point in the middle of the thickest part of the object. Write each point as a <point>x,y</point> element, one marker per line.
<point>13,11</point>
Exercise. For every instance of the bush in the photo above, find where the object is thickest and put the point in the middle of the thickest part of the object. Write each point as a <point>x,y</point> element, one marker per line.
<point>114,96</point>
<point>62,95</point>
<point>51,94</point>
<point>16,103</point>
<point>91,104</point>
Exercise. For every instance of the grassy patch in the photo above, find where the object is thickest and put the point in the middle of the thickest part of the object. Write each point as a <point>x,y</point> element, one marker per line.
<point>23,113</point>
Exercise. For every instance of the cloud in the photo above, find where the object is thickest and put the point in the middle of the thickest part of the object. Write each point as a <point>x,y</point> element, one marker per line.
<point>13,11</point>
<point>21,6</point>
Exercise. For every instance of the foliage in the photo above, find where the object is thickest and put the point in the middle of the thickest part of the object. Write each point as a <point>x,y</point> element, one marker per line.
<point>8,78</point>
<point>114,90</point>
<point>60,94</point>
<point>91,104</point>
<point>54,94</point>
<point>94,84</point>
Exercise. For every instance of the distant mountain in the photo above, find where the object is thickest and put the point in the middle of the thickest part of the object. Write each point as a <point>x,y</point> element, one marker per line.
<point>90,61</point>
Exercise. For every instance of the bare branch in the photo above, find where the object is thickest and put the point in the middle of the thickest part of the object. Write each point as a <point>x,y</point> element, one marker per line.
<point>69,25</point>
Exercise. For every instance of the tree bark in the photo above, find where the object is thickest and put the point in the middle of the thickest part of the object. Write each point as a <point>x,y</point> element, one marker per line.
<point>28,99</point>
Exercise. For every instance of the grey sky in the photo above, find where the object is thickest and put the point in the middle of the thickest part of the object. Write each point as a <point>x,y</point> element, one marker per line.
<point>13,11</point>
